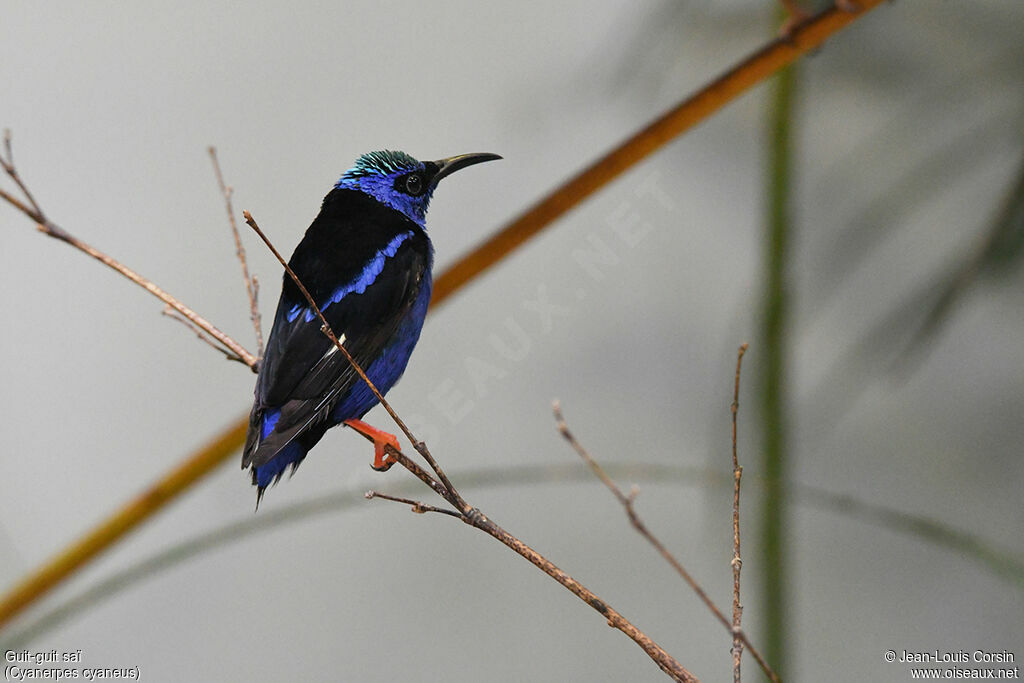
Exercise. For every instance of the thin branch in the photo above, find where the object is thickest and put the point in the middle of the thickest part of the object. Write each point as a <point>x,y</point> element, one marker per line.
<point>178,317</point>
<point>475,518</point>
<point>20,206</point>
<point>415,469</point>
<point>665,661</point>
<point>684,116</point>
<point>417,506</point>
<point>7,162</point>
<point>638,524</point>
<point>252,287</point>
<point>737,563</point>
<point>44,225</point>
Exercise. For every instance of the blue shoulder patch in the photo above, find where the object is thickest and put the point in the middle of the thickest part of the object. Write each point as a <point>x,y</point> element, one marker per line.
<point>366,278</point>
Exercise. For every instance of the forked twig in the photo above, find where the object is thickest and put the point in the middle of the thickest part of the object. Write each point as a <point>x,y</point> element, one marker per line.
<point>638,524</point>
<point>178,317</point>
<point>252,285</point>
<point>44,225</point>
<point>7,162</point>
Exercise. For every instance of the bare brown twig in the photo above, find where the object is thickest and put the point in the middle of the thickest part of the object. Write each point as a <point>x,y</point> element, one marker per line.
<point>252,285</point>
<point>178,317</point>
<point>7,162</point>
<point>417,506</point>
<point>638,524</point>
<point>469,514</point>
<point>44,225</point>
<point>475,518</point>
<point>737,563</point>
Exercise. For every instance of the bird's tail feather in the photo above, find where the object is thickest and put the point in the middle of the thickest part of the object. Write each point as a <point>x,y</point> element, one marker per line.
<point>271,471</point>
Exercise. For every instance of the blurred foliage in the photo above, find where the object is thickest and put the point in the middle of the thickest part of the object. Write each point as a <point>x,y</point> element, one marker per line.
<point>914,323</point>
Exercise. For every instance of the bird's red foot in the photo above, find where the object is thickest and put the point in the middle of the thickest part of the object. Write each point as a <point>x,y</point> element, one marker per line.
<point>381,461</point>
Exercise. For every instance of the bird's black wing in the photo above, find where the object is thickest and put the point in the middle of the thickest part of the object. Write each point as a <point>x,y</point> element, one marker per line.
<point>303,374</point>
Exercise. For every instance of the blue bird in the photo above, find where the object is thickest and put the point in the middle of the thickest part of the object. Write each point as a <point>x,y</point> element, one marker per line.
<point>366,260</point>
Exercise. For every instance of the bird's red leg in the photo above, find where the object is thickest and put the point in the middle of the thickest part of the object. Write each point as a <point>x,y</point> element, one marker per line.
<point>381,462</point>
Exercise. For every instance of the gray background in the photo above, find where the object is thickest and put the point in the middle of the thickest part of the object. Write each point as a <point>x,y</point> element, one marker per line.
<point>908,132</point>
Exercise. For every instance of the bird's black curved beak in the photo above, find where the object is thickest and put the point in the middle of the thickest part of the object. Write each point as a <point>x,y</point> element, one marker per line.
<point>452,164</point>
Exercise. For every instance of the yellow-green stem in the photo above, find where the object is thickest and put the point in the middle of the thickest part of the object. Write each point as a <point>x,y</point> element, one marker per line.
<point>775,310</point>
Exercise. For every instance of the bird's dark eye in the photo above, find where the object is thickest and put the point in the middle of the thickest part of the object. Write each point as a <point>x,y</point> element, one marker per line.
<point>414,184</point>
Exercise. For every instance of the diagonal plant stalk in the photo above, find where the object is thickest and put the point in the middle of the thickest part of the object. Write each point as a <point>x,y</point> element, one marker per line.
<point>803,38</point>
